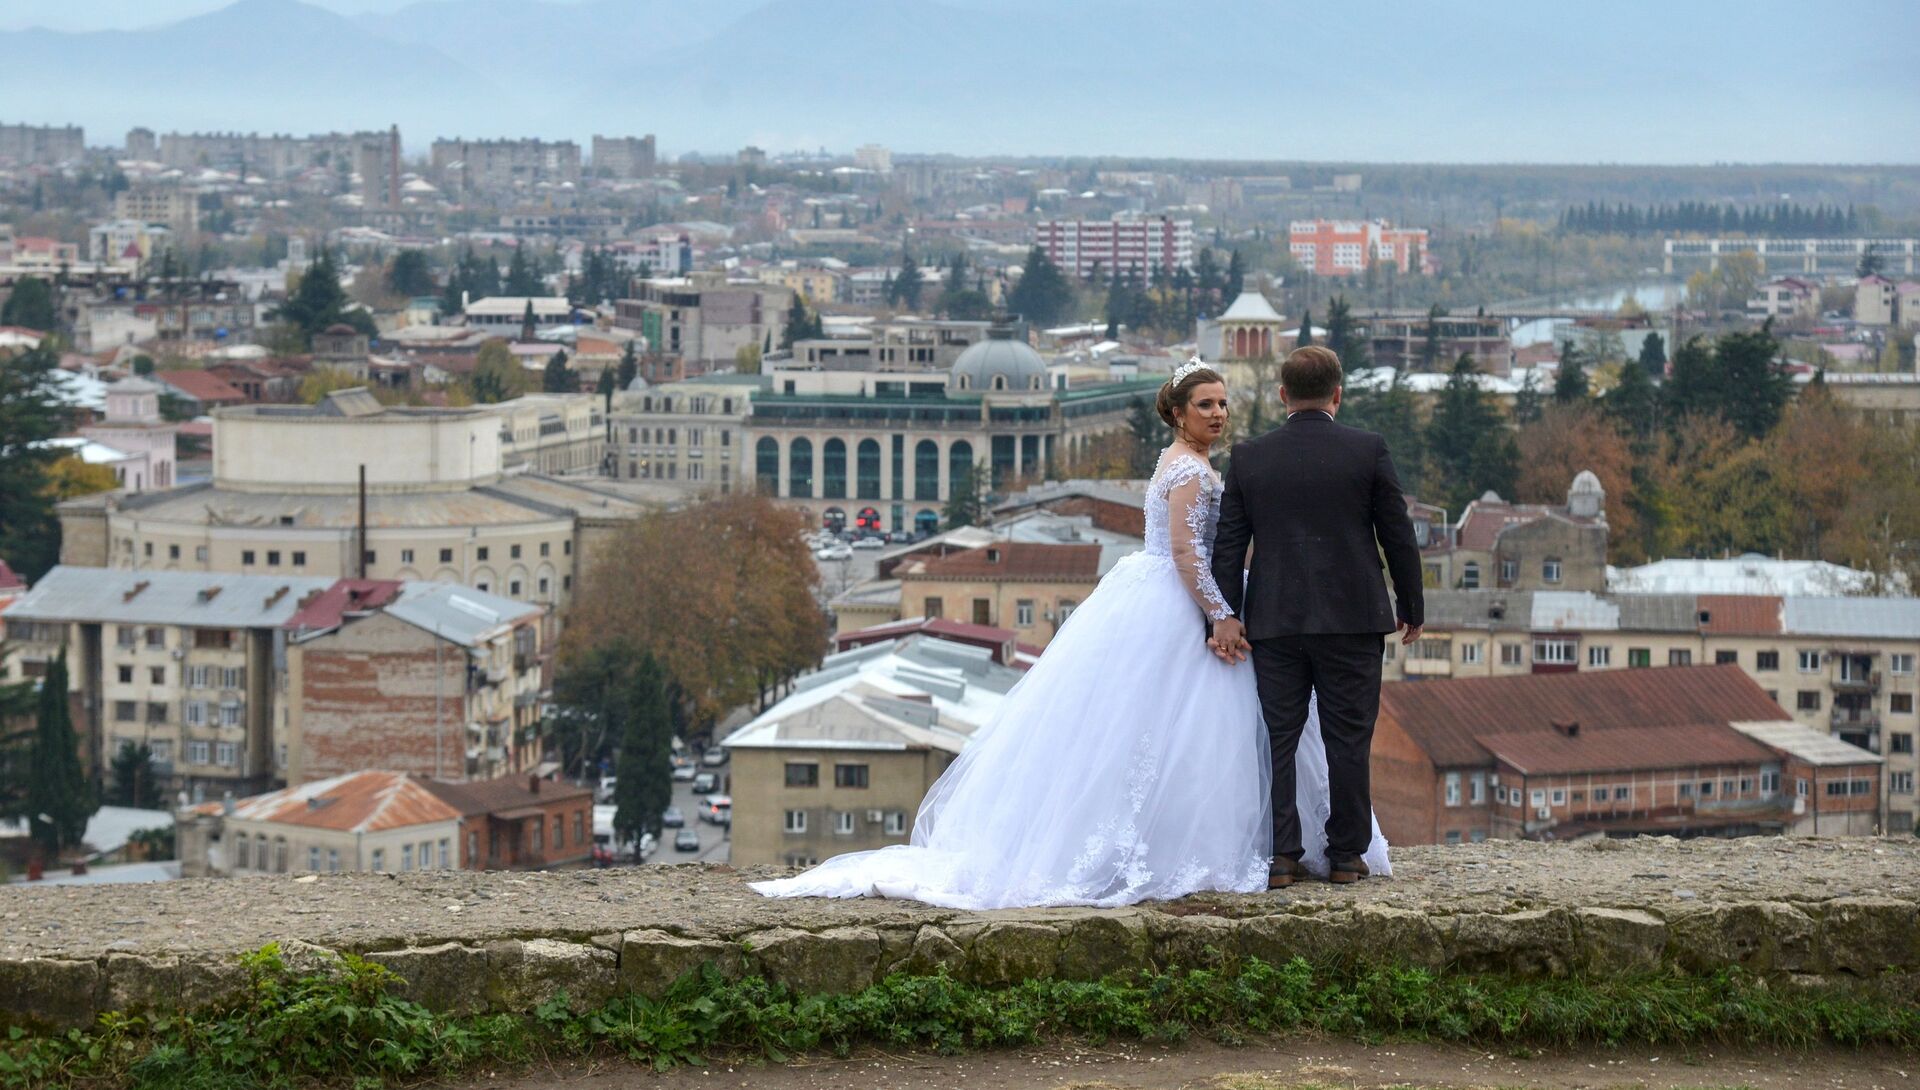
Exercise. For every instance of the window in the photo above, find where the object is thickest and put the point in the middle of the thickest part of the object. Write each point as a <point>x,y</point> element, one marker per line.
<point>162,750</point>
<point>559,832</point>
<point>200,553</point>
<point>1837,788</point>
<point>126,675</point>
<point>1431,650</point>
<point>1550,569</point>
<point>1800,787</point>
<point>1511,654</point>
<point>199,677</point>
<point>1023,612</point>
<point>1453,789</point>
<point>1559,796</point>
<point>156,712</point>
<point>803,774</point>
<point>313,859</point>
<point>1539,796</point>
<point>1900,783</point>
<point>513,589</point>
<point>1509,571</point>
<point>126,635</point>
<point>262,861</point>
<point>1477,792</point>
<point>156,637</point>
<point>1639,658</point>
<point>896,822</point>
<point>333,861</point>
<point>1622,794</point>
<point>379,859</point>
<point>1579,796</point>
<point>173,552</point>
<point>982,611</point>
<point>1500,795</point>
<point>246,556</point>
<point>1477,836</point>
<point>1706,789</point>
<point>226,754</point>
<point>1807,700</point>
<point>1900,741</point>
<point>1453,836</point>
<point>125,711</point>
<point>1726,658</point>
<point>843,823</point>
<point>546,548</point>
<point>1900,703</point>
<point>849,775</point>
<point>1900,664</point>
<point>1746,785</point>
<point>1554,652</point>
<point>273,558</point>
<point>1809,662</point>
<point>446,854</point>
<point>1598,656</point>
<point>370,557</point>
<point>197,752</point>
<point>446,556</point>
<point>240,857</point>
<point>148,548</point>
<point>481,552</point>
<point>233,677</point>
<point>513,551</point>
<point>539,835</point>
<point>1766,660</point>
<point>1678,656</point>
<point>933,608</point>
<point>1470,580</point>
<point>1470,653</point>
<point>1686,790</point>
<point>796,821</point>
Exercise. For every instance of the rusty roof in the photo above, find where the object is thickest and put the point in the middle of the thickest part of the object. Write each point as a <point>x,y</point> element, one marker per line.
<point>1444,717</point>
<point>1013,560</point>
<point>357,802</point>
<point>331,606</point>
<point>1739,614</point>
<point>503,796</point>
<point>1546,751</point>
<point>202,386</point>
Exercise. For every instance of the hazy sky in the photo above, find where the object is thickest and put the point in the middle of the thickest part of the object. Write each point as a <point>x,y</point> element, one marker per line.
<point>127,14</point>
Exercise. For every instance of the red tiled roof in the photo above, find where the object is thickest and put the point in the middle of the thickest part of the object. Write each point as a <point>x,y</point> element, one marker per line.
<point>1445,717</point>
<point>1013,560</point>
<point>504,795</point>
<point>10,580</point>
<point>331,606</point>
<point>938,626</point>
<point>356,802</point>
<point>1619,749</point>
<point>1740,614</point>
<point>204,386</point>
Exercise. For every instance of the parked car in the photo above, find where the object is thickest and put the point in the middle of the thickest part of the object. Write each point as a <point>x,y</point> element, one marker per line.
<point>835,552</point>
<point>899,537</point>
<point>718,811</point>
<point>706,783</point>
<point>686,840</point>
<point>684,772</point>
<point>870,543</point>
<point>603,791</point>
<point>647,846</point>
<point>672,818</point>
<point>714,757</point>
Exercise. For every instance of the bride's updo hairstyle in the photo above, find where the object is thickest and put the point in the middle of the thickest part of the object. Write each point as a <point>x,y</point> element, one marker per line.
<point>1175,392</point>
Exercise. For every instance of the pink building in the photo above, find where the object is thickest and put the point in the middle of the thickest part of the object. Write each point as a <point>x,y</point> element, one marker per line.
<point>134,426</point>
<point>1347,247</point>
<point>1084,248</point>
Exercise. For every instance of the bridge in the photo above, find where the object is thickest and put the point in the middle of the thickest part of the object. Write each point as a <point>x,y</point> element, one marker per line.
<point>1806,255</point>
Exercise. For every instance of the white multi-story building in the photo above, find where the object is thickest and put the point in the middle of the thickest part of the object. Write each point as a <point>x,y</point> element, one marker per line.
<point>1138,244</point>
<point>874,157</point>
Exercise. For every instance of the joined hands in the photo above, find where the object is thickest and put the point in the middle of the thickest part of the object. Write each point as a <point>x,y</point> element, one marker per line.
<point>1229,641</point>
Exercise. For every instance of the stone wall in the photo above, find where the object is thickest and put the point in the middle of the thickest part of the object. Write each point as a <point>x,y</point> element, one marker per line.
<point>1836,911</point>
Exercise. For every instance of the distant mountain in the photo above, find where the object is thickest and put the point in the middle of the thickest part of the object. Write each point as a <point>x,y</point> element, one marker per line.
<point>1355,80</point>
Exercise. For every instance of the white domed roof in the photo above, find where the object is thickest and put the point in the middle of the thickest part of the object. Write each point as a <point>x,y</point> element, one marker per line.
<point>1585,481</point>
<point>999,356</point>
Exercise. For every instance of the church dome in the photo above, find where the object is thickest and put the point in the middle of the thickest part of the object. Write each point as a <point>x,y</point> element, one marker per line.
<point>1000,362</point>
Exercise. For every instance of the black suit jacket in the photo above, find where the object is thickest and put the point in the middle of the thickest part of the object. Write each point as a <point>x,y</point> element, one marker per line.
<point>1321,503</point>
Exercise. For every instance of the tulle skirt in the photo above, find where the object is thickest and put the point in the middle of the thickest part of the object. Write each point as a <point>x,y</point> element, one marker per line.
<point>1129,765</point>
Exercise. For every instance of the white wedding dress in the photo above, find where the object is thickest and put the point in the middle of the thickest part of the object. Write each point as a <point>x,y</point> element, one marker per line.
<point>1130,764</point>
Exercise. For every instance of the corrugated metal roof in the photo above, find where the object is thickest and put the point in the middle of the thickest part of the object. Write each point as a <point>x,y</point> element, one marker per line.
<point>1575,611</point>
<point>1012,560</point>
<point>1806,743</point>
<point>1545,751</point>
<point>1444,716</point>
<point>461,614</point>
<point>195,599</point>
<point>1875,618</point>
<point>1476,609</point>
<point>1739,575</point>
<point>357,802</point>
<point>1658,612</point>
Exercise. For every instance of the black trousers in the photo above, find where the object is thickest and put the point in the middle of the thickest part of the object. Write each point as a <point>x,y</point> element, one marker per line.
<point>1345,671</point>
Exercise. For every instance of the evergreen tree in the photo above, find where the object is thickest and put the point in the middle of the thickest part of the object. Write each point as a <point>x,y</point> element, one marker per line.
<point>1430,347</point>
<point>1346,336</point>
<point>558,377</point>
<point>32,411</point>
<point>1653,356</point>
<point>1149,436</point>
<point>409,274</point>
<point>133,778</point>
<point>1470,449</point>
<point>1738,379</point>
<point>521,278</point>
<point>798,325</point>
<point>957,272</point>
<point>59,798</point>
<point>629,366</point>
<point>30,305</point>
<point>966,506</point>
<point>1528,405</point>
<point>1633,405</point>
<point>604,387</point>
<point>1570,382</point>
<point>1306,329</point>
<point>644,788</point>
<point>1043,295</point>
<point>1206,278</point>
<point>1236,275</point>
<point>318,302</point>
<point>906,286</point>
<point>497,376</point>
<point>529,325</point>
<point>1870,263</point>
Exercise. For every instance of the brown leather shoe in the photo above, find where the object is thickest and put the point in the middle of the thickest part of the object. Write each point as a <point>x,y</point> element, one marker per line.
<point>1347,871</point>
<point>1282,873</point>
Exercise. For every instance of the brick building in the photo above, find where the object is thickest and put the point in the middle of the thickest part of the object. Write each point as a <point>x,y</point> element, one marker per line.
<point>514,823</point>
<point>1142,246</point>
<point>1348,247</point>
<point>1694,752</point>
<point>1523,546</point>
<point>1029,588</point>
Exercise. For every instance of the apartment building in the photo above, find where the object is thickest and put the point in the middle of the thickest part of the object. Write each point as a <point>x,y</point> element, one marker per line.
<point>42,145</point>
<point>623,156</point>
<point>1699,751</point>
<point>704,320</point>
<point>519,822</point>
<point>844,761</point>
<point>183,663</point>
<point>1028,587</point>
<point>1842,667</point>
<point>176,209</point>
<point>1520,546</point>
<point>1348,247</point>
<point>692,431</point>
<point>1140,245</point>
<point>470,166</point>
<point>361,822</point>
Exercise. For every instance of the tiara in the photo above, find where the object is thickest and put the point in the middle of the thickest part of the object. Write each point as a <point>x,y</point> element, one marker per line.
<point>1192,365</point>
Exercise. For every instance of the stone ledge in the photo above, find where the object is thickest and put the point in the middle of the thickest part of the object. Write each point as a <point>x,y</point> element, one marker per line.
<point>1820,910</point>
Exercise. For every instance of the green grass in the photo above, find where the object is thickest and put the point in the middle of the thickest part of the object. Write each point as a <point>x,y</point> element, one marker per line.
<point>348,1028</point>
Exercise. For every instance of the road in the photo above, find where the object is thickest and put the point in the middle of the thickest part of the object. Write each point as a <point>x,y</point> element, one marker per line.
<point>714,846</point>
<point>838,575</point>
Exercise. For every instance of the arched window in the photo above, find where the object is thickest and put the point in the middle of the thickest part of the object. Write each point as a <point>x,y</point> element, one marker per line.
<point>999,382</point>
<point>1035,382</point>
<point>959,464</point>
<point>926,470</point>
<point>833,469</point>
<point>965,382</point>
<point>240,859</point>
<point>646,404</point>
<point>800,469</point>
<point>766,464</point>
<point>869,469</point>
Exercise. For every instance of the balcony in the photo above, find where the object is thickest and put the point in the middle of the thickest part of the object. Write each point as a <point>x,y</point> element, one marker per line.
<point>1857,682</point>
<point>1854,719</point>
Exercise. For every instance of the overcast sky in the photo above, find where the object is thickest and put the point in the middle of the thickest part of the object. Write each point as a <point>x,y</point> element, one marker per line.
<point>128,14</point>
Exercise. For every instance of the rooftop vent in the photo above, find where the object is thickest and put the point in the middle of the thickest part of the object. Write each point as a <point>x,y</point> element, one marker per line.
<point>1569,729</point>
<point>135,592</point>
<point>208,594</point>
<point>278,593</point>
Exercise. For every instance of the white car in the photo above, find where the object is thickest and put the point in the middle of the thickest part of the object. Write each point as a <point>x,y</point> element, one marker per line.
<point>870,543</point>
<point>683,773</point>
<point>835,552</point>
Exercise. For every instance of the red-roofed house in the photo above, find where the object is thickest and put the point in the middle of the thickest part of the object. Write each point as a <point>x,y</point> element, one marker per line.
<point>1002,642</point>
<point>366,821</point>
<point>1028,588</point>
<point>1524,546</point>
<point>204,389</point>
<point>1685,751</point>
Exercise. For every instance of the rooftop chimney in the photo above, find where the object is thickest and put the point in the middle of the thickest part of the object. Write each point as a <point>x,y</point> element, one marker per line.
<point>135,592</point>
<point>1570,729</point>
<point>533,784</point>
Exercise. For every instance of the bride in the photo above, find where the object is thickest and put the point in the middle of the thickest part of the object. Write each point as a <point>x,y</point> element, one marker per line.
<point>1130,764</point>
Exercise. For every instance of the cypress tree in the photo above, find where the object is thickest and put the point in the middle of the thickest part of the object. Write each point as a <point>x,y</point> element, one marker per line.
<point>58,789</point>
<point>644,788</point>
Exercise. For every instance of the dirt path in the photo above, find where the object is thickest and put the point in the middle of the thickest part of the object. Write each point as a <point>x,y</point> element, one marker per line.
<point>1289,1064</point>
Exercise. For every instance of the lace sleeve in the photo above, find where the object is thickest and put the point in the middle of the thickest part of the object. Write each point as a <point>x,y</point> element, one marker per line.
<point>1188,482</point>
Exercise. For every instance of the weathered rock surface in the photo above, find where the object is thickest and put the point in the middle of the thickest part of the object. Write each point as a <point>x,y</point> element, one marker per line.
<point>1804,910</point>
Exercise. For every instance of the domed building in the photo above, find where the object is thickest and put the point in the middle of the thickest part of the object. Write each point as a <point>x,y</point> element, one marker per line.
<point>879,445</point>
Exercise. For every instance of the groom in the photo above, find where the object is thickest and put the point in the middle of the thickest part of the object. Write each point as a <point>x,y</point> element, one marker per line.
<point>1321,503</point>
